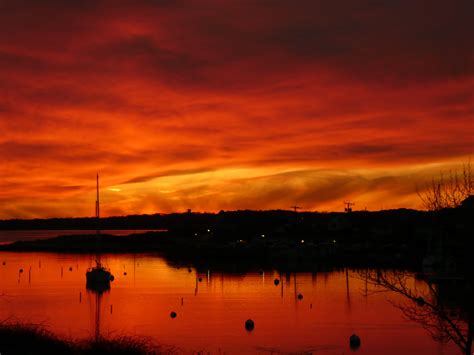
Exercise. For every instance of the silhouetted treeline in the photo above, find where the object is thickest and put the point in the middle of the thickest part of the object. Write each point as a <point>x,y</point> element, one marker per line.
<point>133,222</point>
<point>401,225</point>
<point>393,237</point>
<point>242,220</point>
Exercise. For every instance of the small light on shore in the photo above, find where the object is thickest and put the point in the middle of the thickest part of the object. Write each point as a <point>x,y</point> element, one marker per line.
<point>302,241</point>
<point>263,235</point>
<point>334,241</point>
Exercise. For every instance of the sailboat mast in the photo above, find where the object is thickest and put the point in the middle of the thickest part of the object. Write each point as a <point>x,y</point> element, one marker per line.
<point>97,215</point>
<point>97,206</point>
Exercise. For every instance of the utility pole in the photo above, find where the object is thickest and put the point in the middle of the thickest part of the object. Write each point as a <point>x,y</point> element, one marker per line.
<point>349,205</point>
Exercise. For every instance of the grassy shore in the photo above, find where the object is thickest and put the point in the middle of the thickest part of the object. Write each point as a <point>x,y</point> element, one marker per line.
<point>32,339</point>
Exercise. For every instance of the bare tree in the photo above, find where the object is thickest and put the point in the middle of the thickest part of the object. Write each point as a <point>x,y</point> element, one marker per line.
<point>449,189</point>
<point>428,308</point>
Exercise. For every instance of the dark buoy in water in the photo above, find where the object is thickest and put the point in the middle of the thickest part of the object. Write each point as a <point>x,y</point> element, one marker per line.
<point>300,296</point>
<point>21,271</point>
<point>173,315</point>
<point>125,273</point>
<point>4,263</point>
<point>420,301</point>
<point>70,268</point>
<point>354,342</point>
<point>189,270</point>
<point>276,282</point>
<point>249,325</point>
<point>200,279</point>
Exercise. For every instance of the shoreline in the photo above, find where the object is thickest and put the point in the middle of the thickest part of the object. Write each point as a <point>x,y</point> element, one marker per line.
<point>285,240</point>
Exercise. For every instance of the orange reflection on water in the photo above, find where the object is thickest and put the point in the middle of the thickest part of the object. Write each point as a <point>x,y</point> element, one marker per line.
<point>211,312</point>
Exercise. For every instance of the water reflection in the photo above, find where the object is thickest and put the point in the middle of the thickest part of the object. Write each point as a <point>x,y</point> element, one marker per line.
<point>444,307</point>
<point>97,290</point>
<point>211,307</point>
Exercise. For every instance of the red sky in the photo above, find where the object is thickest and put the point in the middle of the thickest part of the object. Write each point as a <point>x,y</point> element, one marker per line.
<point>218,104</point>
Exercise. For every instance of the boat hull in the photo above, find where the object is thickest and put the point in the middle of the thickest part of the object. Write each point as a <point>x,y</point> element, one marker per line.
<point>98,278</point>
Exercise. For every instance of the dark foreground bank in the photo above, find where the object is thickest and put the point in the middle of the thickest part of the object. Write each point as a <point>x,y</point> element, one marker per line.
<point>33,339</point>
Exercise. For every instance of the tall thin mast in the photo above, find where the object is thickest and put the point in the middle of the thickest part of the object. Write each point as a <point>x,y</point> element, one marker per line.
<point>97,215</point>
<point>97,206</point>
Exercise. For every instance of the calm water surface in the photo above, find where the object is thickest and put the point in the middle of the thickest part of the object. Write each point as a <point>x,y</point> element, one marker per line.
<point>210,313</point>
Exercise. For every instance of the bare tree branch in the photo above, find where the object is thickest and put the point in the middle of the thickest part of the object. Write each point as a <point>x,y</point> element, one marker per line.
<point>427,308</point>
<point>450,191</point>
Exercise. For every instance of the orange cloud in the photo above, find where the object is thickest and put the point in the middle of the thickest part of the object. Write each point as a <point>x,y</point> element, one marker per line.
<point>228,106</point>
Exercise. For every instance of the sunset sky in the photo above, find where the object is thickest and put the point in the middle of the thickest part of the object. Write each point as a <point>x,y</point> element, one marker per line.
<point>230,104</point>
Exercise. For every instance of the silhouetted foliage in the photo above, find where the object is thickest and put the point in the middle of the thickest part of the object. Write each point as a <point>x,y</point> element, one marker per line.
<point>449,189</point>
<point>26,339</point>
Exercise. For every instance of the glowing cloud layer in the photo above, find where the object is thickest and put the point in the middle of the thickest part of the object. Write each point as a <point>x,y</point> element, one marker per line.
<point>216,105</point>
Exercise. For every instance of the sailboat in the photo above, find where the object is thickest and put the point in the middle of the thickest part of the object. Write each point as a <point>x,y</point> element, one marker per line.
<point>98,277</point>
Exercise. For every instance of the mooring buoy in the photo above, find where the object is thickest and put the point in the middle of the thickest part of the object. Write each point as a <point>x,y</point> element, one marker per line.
<point>249,325</point>
<point>173,314</point>
<point>300,296</point>
<point>276,282</point>
<point>354,341</point>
